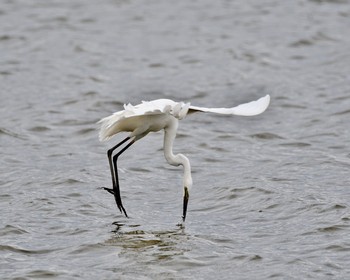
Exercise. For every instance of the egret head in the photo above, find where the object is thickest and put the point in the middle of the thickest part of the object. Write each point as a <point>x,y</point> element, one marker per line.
<point>180,110</point>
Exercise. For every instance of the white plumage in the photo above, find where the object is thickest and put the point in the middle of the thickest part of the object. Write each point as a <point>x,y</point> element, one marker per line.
<point>132,117</point>
<point>152,116</point>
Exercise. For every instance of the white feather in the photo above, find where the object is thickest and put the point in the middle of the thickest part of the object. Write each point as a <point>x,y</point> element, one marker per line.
<point>137,119</point>
<point>247,109</point>
<point>134,117</point>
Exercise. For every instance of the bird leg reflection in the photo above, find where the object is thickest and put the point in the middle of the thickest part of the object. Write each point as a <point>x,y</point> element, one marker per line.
<point>114,172</point>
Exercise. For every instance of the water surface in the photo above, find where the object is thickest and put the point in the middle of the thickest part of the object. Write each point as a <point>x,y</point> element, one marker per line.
<point>271,193</point>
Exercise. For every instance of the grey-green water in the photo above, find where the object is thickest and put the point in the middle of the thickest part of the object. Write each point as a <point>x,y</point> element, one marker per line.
<point>271,193</point>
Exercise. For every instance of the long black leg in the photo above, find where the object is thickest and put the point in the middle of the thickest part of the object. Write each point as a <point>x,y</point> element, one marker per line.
<point>116,189</point>
<point>115,181</point>
<point>109,155</point>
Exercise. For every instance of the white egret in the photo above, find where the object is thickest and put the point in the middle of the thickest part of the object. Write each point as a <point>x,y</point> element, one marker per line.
<point>153,116</point>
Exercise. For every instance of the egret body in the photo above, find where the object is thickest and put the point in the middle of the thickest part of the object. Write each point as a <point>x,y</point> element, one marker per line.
<point>156,115</point>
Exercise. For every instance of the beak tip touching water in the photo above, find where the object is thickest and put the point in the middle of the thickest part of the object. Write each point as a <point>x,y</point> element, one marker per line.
<point>186,197</point>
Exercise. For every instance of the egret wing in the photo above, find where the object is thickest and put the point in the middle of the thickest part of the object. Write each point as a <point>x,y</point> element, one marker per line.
<point>145,108</point>
<point>247,109</point>
<point>116,122</point>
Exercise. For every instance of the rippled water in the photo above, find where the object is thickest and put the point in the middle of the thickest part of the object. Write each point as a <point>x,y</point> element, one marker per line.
<point>271,193</point>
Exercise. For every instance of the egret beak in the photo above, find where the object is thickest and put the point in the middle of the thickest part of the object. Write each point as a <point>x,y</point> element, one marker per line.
<point>186,197</point>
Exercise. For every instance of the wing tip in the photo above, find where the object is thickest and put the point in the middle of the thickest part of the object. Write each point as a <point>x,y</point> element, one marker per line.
<point>254,108</point>
<point>265,101</point>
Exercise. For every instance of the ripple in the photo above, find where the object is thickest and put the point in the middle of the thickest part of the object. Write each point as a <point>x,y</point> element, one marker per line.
<point>5,73</point>
<point>302,43</point>
<point>330,1</point>
<point>220,198</point>
<point>296,144</point>
<point>67,181</point>
<point>73,122</point>
<point>85,248</point>
<point>279,179</point>
<point>5,37</point>
<point>9,230</point>
<point>39,129</point>
<point>149,245</point>
<point>293,106</point>
<point>5,197</point>
<point>140,169</point>
<point>17,249</point>
<point>266,136</point>
<point>332,228</point>
<point>11,133</point>
<point>156,65</point>
<point>345,112</point>
<point>99,78</point>
<point>333,207</point>
<point>90,93</point>
<point>42,274</point>
<point>338,248</point>
<point>306,42</point>
<point>85,131</point>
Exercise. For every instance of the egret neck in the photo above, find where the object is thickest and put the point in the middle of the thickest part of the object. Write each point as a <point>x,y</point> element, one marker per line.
<point>176,160</point>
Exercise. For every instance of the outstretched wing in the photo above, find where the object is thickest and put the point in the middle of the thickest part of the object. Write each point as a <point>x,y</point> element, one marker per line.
<point>247,109</point>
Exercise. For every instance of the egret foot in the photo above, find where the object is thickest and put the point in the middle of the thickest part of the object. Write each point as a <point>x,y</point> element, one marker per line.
<point>181,225</point>
<point>117,200</point>
<point>111,191</point>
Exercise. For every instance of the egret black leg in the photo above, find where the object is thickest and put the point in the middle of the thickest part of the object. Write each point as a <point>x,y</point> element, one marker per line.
<point>116,190</point>
<point>114,174</point>
<point>109,155</point>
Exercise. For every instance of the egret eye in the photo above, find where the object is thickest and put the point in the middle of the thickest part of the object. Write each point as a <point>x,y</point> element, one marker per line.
<point>184,110</point>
